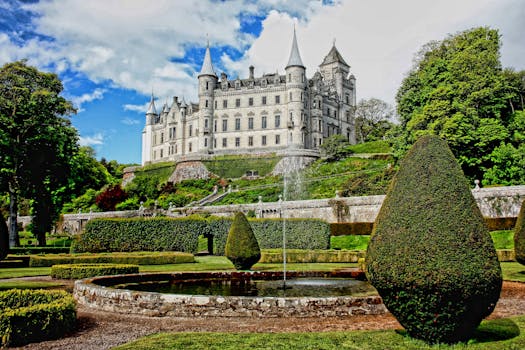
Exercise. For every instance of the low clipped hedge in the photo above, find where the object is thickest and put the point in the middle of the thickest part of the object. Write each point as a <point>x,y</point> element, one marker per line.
<point>28,316</point>
<point>275,256</point>
<point>300,233</point>
<point>136,258</point>
<point>79,271</point>
<point>141,234</point>
<point>351,228</point>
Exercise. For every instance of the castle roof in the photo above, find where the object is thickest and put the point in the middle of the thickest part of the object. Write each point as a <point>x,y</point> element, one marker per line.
<point>334,56</point>
<point>295,57</point>
<point>207,66</point>
<point>151,108</point>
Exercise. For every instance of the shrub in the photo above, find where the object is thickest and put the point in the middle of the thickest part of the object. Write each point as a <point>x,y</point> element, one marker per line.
<point>519,236</point>
<point>78,271</point>
<point>301,256</point>
<point>137,258</point>
<point>242,248</point>
<point>109,198</point>
<point>139,234</point>
<point>4,238</point>
<point>351,228</point>
<point>430,255</point>
<point>28,316</point>
<point>300,233</point>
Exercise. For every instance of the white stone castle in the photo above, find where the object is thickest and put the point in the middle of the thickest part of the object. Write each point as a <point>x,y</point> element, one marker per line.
<point>267,114</point>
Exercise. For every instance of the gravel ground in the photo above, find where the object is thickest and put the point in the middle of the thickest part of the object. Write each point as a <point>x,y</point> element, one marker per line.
<point>102,330</point>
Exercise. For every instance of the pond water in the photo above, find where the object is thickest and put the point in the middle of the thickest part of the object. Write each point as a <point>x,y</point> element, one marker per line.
<point>296,287</point>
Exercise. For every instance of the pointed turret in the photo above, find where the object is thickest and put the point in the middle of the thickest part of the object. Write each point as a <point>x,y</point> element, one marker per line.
<point>151,108</point>
<point>334,57</point>
<point>295,57</point>
<point>207,66</point>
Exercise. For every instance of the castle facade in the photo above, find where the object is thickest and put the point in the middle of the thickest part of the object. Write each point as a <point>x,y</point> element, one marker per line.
<point>256,115</point>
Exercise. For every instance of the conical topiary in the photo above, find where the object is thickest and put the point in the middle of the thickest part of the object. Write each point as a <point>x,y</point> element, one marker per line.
<point>241,245</point>
<point>430,255</point>
<point>519,236</point>
<point>4,238</point>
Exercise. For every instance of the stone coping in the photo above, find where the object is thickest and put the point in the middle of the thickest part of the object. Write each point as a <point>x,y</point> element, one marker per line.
<point>95,293</point>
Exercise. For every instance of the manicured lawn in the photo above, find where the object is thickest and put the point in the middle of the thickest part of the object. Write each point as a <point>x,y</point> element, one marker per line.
<point>513,271</point>
<point>27,285</point>
<point>503,239</point>
<point>349,242</point>
<point>495,334</point>
<point>13,272</point>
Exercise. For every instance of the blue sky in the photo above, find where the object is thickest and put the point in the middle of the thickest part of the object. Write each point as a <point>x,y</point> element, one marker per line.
<point>112,54</point>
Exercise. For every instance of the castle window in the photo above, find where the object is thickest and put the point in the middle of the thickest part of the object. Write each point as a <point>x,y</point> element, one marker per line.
<point>154,154</point>
<point>161,153</point>
<point>224,142</point>
<point>290,96</point>
<point>215,104</point>
<point>238,102</point>
<point>315,142</point>
<point>237,123</point>
<point>176,149</point>
<point>263,122</point>
<point>289,77</point>
<point>205,142</point>
<point>237,142</point>
<point>250,123</point>
<point>320,127</point>
<point>237,85</point>
<point>189,147</point>
<point>225,125</point>
<point>264,100</point>
<point>277,121</point>
<point>277,139</point>
<point>190,131</point>
<point>206,103</point>
<point>215,126</point>
<point>250,101</point>
<point>224,103</point>
<point>207,87</point>
<point>161,137</point>
<point>302,78</point>
<point>215,143</point>
<point>206,123</point>
<point>277,99</point>
<point>250,141</point>
<point>263,140</point>
<point>347,98</point>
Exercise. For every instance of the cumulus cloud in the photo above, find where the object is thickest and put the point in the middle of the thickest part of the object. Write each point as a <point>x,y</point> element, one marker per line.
<point>93,140</point>
<point>130,121</point>
<point>97,94</point>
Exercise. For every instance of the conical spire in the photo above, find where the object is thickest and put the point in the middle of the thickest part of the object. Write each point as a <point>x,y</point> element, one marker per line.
<point>295,57</point>
<point>207,66</point>
<point>151,108</point>
<point>334,56</point>
<point>183,103</point>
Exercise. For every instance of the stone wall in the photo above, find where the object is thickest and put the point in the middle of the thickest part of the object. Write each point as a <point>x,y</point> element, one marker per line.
<point>495,202</point>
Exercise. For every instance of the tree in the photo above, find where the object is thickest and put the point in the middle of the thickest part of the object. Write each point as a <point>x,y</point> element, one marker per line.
<point>335,147</point>
<point>241,247</point>
<point>373,118</point>
<point>37,141</point>
<point>430,255</point>
<point>87,173</point>
<point>109,198</point>
<point>519,236</point>
<point>4,238</point>
<point>458,90</point>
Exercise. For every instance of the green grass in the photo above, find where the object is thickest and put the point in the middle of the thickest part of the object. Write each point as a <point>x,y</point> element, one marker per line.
<point>371,147</point>
<point>513,271</point>
<point>349,242</point>
<point>503,239</point>
<point>28,285</point>
<point>14,272</point>
<point>498,334</point>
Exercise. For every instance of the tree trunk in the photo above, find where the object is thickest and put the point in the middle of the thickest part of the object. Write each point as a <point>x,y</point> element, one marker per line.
<point>14,240</point>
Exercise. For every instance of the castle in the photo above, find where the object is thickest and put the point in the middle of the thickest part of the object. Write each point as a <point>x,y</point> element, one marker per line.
<point>260,115</point>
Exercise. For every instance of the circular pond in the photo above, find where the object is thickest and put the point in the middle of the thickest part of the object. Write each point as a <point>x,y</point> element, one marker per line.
<point>261,294</point>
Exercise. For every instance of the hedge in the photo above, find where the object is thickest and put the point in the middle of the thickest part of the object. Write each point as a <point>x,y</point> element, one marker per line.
<point>351,228</point>
<point>300,233</point>
<point>140,234</point>
<point>496,224</point>
<point>28,316</point>
<point>275,256</point>
<point>137,258</point>
<point>79,271</point>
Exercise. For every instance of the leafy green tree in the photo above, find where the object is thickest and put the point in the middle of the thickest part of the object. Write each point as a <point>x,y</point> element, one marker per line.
<point>242,248</point>
<point>335,147</point>
<point>37,141</point>
<point>373,119</point>
<point>4,238</point>
<point>458,90</point>
<point>430,255</point>
<point>87,172</point>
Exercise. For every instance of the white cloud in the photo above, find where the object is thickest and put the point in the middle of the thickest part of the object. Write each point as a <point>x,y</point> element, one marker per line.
<point>130,121</point>
<point>97,94</point>
<point>93,140</point>
<point>137,108</point>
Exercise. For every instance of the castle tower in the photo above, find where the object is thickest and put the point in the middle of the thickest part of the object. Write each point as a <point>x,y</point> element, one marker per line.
<point>147,132</point>
<point>295,94</point>
<point>207,83</point>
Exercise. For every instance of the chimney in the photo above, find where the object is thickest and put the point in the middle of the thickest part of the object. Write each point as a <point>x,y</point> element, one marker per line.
<point>251,72</point>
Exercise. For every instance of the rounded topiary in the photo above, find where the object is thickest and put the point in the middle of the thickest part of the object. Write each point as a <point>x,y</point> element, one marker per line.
<point>430,255</point>
<point>519,236</point>
<point>4,238</point>
<point>241,245</point>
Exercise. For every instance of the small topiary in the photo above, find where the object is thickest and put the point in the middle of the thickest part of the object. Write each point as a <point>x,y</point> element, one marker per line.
<point>430,255</point>
<point>4,238</point>
<point>519,236</point>
<point>241,245</point>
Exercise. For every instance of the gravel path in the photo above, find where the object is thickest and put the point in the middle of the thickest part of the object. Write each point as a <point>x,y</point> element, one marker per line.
<point>102,330</point>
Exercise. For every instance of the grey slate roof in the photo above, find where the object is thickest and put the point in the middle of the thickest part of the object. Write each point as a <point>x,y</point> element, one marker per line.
<point>334,56</point>
<point>151,108</point>
<point>295,57</point>
<point>207,66</point>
